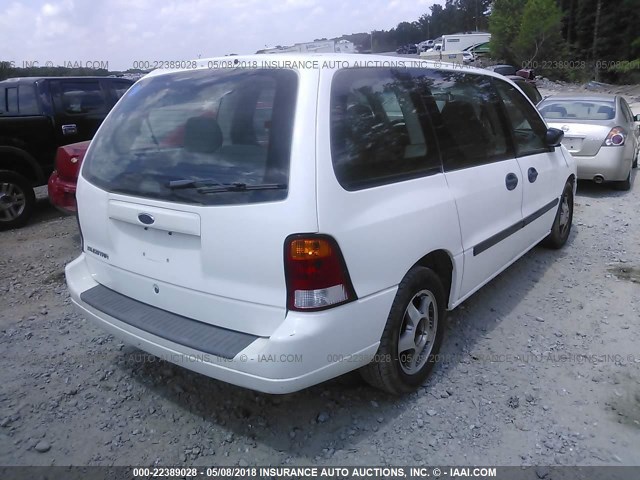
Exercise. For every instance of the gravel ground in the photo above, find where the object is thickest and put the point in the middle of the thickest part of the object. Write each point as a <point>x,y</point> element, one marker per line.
<point>541,367</point>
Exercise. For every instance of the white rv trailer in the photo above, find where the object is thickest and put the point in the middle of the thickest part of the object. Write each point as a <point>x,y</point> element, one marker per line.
<point>459,42</point>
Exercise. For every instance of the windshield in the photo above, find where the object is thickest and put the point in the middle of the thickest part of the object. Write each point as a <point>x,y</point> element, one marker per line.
<point>578,109</point>
<point>203,128</point>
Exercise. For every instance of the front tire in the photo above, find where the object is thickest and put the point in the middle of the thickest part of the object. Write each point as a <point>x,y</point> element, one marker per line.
<point>17,200</point>
<point>412,336</point>
<point>561,227</point>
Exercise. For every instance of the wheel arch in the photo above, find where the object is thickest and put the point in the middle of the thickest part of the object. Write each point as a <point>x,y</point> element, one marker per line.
<point>17,160</point>
<point>441,262</point>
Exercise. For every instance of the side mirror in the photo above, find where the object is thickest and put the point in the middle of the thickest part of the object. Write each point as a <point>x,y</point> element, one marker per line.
<point>636,118</point>
<point>554,136</point>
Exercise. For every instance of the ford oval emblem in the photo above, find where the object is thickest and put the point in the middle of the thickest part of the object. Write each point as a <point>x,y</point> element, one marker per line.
<point>565,128</point>
<point>146,218</point>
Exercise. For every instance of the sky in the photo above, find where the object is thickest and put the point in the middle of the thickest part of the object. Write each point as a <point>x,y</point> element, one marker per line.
<point>125,32</point>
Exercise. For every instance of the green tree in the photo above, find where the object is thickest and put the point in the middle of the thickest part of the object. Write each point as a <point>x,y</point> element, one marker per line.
<point>540,35</point>
<point>504,25</point>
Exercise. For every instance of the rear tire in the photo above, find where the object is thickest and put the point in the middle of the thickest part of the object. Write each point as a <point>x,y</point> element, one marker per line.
<point>17,200</point>
<point>561,227</point>
<point>412,336</point>
<point>624,185</point>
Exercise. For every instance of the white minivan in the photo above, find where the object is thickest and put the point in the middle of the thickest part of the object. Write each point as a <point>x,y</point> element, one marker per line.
<point>276,223</point>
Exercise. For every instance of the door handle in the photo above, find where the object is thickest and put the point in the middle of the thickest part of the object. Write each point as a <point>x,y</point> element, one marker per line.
<point>533,174</point>
<point>70,129</point>
<point>511,181</point>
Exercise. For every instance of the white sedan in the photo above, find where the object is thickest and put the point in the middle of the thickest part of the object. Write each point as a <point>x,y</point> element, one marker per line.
<point>601,133</point>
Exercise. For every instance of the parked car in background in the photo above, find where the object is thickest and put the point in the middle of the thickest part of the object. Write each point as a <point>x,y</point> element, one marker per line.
<point>63,180</point>
<point>409,49</point>
<point>38,115</point>
<point>467,57</point>
<point>503,69</point>
<point>600,132</point>
<point>337,243</point>
<point>424,46</point>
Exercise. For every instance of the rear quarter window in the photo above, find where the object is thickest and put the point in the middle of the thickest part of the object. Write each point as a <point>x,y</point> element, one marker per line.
<point>377,130</point>
<point>11,99</point>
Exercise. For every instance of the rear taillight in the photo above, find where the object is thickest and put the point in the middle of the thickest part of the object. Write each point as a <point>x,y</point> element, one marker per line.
<point>68,161</point>
<point>616,137</point>
<point>316,274</point>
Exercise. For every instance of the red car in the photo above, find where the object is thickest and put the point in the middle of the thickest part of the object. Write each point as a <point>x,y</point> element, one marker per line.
<point>62,182</point>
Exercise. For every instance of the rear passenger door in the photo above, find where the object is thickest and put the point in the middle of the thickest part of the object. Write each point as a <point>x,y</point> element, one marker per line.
<point>80,107</point>
<point>482,174</point>
<point>540,164</point>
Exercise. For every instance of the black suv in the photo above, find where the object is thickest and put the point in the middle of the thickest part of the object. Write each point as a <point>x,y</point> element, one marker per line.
<point>38,115</point>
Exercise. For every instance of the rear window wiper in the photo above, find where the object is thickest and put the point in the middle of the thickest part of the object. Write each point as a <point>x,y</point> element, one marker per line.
<point>242,187</point>
<point>188,183</point>
<point>212,186</point>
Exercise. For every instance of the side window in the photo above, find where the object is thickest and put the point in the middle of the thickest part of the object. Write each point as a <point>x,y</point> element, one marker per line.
<point>27,101</point>
<point>531,92</point>
<point>80,97</point>
<point>12,99</point>
<point>529,130</point>
<point>377,136</point>
<point>468,119</point>
<point>119,88</point>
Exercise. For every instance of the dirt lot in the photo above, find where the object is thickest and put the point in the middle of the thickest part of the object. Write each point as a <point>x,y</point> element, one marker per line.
<point>541,367</point>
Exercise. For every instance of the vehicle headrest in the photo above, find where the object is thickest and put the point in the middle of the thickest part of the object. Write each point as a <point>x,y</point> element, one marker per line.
<point>561,111</point>
<point>458,110</point>
<point>606,110</point>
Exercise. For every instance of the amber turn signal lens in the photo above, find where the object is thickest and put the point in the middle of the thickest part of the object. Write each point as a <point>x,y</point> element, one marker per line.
<point>308,249</point>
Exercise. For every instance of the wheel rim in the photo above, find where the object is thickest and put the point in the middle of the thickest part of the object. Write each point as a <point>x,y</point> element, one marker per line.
<point>565,215</point>
<point>418,332</point>
<point>12,201</point>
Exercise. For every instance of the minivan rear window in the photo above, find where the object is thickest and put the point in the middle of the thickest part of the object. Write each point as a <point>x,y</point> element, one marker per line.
<point>204,137</point>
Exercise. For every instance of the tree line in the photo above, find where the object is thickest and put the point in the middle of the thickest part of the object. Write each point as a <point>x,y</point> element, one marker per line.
<point>565,39</point>
<point>569,39</point>
<point>11,70</point>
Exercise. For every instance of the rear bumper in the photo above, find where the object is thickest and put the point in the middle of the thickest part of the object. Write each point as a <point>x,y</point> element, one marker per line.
<point>62,193</point>
<point>608,163</point>
<point>306,349</point>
